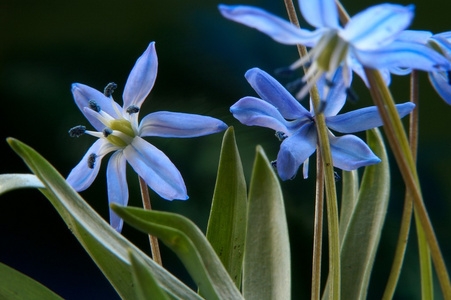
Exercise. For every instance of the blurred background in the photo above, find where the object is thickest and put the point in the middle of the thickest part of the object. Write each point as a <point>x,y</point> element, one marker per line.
<point>48,45</point>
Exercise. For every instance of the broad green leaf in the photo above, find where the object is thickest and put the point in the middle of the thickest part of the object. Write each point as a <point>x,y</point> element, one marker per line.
<point>363,233</point>
<point>227,224</point>
<point>267,272</point>
<point>9,182</point>
<point>108,249</point>
<point>349,197</point>
<point>145,282</point>
<point>15,285</point>
<point>184,238</point>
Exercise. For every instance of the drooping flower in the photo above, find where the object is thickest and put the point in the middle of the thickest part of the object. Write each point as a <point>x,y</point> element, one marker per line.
<point>295,126</point>
<point>441,80</point>
<point>118,131</point>
<point>367,40</point>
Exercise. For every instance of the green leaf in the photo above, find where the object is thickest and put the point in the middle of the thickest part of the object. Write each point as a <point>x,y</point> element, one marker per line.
<point>15,285</point>
<point>108,249</point>
<point>267,272</point>
<point>146,284</point>
<point>9,182</point>
<point>184,238</point>
<point>349,198</point>
<point>363,233</point>
<point>226,230</point>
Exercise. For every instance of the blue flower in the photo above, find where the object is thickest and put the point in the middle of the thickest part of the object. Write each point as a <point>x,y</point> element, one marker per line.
<point>118,131</point>
<point>279,110</point>
<point>441,80</point>
<point>367,40</point>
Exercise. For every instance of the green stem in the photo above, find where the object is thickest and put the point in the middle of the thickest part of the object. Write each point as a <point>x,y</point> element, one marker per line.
<point>398,141</point>
<point>331,194</point>
<point>154,246</point>
<point>318,230</point>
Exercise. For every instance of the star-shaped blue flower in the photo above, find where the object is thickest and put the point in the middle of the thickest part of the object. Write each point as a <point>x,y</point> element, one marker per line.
<point>367,40</point>
<point>279,110</point>
<point>118,131</point>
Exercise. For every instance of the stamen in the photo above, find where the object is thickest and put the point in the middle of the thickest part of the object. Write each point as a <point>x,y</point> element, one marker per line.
<point>132,109</point>
<point>92,160</point>
<point>336,176</point>
<point>295,85</point>
<point>281,135</point>
<point>94,106</point>
<point>107,131</point>
<point>352,95</point>
<point>77,131</point>
<point>109,89</point>
<point>274,164</point>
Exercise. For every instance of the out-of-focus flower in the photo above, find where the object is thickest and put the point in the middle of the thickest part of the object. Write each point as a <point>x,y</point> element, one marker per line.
<point>118,130</point>
<point>367,40</point>
<point>296,127</point>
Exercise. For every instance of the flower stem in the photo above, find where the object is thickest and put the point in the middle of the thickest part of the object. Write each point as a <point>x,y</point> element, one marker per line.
<point>331,195</point>
<point>154,246</point>
<point>318,229</point>
<point>398,141</point>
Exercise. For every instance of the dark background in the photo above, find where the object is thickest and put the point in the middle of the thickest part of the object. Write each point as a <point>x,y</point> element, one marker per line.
<point>47,45</point>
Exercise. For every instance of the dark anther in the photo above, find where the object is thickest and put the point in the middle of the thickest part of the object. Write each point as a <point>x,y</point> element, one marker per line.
<point>109,89</point>
<point>329,83</point>
<point>132,109</point>
<point>284,72</point>
<point>94,106</point>
<point>352,95</point>
<point>274,164</point>
<point>77,131</point>
<point>295,86</point>
<point>281,135</point>
<point>321,107</point>
<point>92,160</point>
<point>107,131</point>
<point>337,177</point>
<point>449,77</point>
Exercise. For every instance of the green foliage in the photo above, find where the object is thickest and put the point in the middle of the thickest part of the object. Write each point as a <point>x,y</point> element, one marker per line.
<point>227,224</point>
<point>191,246</point>
<point>15,285</point>
<point>9,182</point>
<point>267,266</point>
<point>108,249</point>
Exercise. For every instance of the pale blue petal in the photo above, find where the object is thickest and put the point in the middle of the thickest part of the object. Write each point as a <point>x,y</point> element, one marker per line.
<point>172,124</point>
<point>273,92</point>
<point>252,111</point>
<point>357,67</point>
<point>83,94</point>
<point>363,119</point>
<point>141,78</point>
<point>294,150</point>
<point>415,36</point>
<point>378,25</point>
<point>349,153</point>
<point>117,186</point>
<point>440,82</point>
<point>277,28</point>
<point>81,177</point>
<point>404,55</point>
<point>443,41</point>
<point>320,13</point>
<point>336,97</point>
<point>156,169</point>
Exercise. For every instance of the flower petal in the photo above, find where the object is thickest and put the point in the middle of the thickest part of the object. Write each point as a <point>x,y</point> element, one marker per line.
<point>336,97</point>
<point>273,92</point>
<point>404,55</point>
<point>117,187</point>
<point>363,119</point>
<point>255,112</point>
<point>172,124</point>
<point>349,153</point>
<point>320,13</point>
<point>357,67</point>
<point>141,78</point>
<point>81,177</point>
<point>378,25</point>
<point>294,150</point>
<point>277,28</point>
<point>83,94</point>
<point>440,82</point>
<point>156,169</point>
<point>416,36</point>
